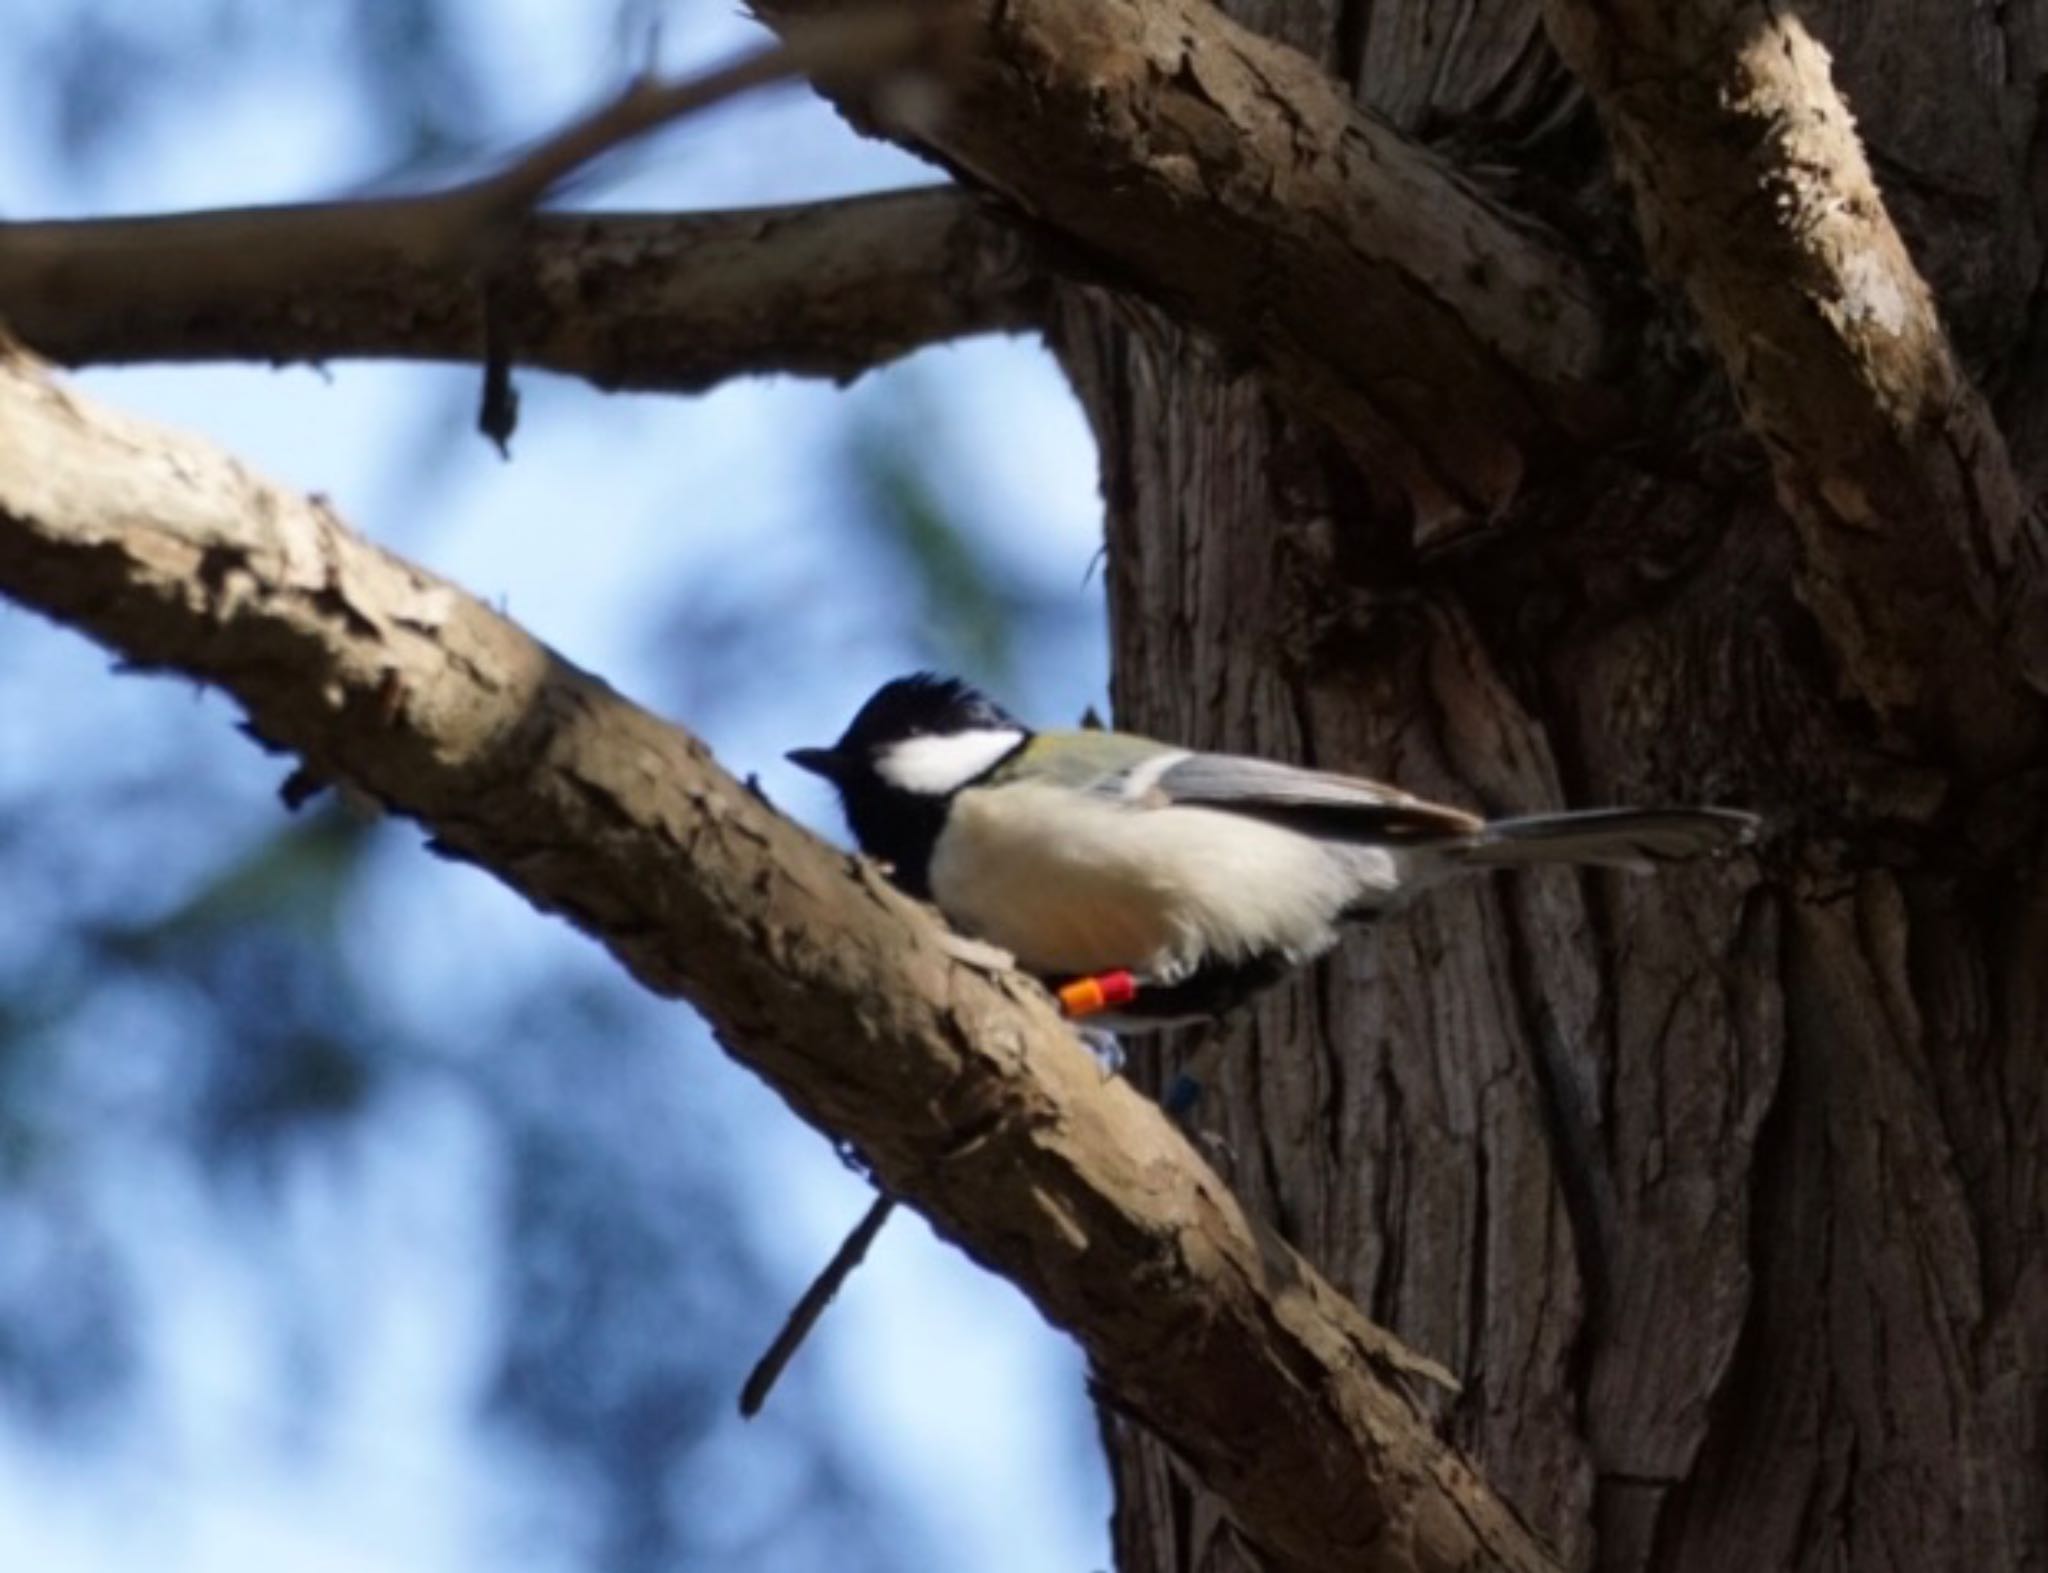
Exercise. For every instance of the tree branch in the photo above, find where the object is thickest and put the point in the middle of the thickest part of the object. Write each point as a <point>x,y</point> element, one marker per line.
<point>463,273</point>
<point>1920,558</point>
<point>969,1097</point>
<point>865,41</point>
<point>1447,341</point>
<point>650,301</point>
<point>796,1327</point>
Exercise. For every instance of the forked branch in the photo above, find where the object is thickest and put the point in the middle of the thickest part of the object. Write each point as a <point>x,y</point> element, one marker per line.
<point>1446,339</point>
<point>468,273</point>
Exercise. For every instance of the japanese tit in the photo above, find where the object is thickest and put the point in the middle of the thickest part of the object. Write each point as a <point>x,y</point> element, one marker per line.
<point>1204,876</point>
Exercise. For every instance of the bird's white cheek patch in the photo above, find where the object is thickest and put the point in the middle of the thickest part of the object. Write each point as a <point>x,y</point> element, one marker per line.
<point>935,766</point>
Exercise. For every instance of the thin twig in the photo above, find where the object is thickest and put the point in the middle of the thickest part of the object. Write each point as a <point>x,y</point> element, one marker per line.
<point>804,1316</point>
<point>864,42</point>
<point>1282,1405</point>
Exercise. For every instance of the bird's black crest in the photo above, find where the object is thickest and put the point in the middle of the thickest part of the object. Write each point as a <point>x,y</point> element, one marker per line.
<point>897,826</point>
<point>923,704</point>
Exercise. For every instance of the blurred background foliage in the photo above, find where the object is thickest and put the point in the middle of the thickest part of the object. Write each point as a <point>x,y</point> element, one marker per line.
<point>351,1215</point>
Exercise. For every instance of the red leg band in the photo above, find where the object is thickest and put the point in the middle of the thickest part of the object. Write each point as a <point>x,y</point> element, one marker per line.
<point>1092,995</point>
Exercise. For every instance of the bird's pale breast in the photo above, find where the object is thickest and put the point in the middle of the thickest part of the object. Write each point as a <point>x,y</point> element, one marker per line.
<point>1072,884</point>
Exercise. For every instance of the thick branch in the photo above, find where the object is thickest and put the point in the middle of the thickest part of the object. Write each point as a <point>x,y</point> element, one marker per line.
<point>461,272</point>
<point>626,300</point>
<point>962,1088</point>
<point>1919,555</point>
<point>1233,180</point>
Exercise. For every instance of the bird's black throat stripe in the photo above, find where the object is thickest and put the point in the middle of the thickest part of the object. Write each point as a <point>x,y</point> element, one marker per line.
<point>897,828</point>
<point>902,828</point>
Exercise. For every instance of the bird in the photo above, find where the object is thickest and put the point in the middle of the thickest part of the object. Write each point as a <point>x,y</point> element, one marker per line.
<point>1152,885</point>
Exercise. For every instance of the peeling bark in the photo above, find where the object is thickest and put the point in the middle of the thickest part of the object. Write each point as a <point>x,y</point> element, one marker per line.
<point>969,1096</point>
<point>1920,558</point>
<point>1698,1182</point>
<point>1722,1192</point>
<point>1230,180</point>
<point>647,301</point>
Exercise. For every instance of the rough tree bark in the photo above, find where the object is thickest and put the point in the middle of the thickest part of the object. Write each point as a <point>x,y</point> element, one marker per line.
<point>946,1069</point>
<point>1537,402</point>
<point>675,302</point>
<point>1722,1193</point>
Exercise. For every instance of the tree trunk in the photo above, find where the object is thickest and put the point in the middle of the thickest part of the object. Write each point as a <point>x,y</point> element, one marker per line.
<point>1718,1190</point>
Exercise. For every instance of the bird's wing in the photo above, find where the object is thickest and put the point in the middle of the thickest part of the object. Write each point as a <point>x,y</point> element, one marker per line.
<point>1149,774</point>
<point>1315,802</point>
<point>1100,763</point>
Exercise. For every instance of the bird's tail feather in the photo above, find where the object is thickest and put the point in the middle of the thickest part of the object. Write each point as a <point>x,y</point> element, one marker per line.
<point>1630,838</point>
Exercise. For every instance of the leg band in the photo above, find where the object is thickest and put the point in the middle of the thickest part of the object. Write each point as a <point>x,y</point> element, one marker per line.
<point>1092,995</point>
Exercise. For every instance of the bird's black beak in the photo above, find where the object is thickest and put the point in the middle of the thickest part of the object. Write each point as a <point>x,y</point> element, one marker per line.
<point>819,761</point>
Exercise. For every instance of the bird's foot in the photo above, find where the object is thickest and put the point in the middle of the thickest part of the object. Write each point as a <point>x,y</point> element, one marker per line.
<point>1183,1094</point>
<point>1088,996</point>
<point>1186,1088</point>
<point>1107,1048</point>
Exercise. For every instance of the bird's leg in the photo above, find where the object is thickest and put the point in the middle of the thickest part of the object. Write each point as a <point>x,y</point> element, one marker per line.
<point>1090,996</point>
<point>1184,1092</point>
<point>1096,993</point>
<point>1188,1085</point>
<point>1080,999</point>
<point>1105,991</point>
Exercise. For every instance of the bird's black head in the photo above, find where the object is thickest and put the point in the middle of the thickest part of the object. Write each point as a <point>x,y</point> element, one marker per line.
<point>916,742</point>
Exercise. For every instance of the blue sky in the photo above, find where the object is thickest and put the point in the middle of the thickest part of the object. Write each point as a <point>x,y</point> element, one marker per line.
<point>967,1410</point>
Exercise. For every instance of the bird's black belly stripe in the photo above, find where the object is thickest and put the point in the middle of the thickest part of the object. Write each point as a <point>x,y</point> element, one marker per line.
<point>1214,990</point>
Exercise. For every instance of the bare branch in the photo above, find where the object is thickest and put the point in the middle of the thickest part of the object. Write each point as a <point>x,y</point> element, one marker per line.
<point>1920,557</point>
<point>627,300</point>
<point>1232,180</point>
<point>463,274</point>
<point>796,1327</point>
<point>861,42</point>
<point>963,1089</point>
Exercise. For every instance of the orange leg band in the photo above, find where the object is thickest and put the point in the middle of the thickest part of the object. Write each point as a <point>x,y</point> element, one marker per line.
<point>1093,995</point>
